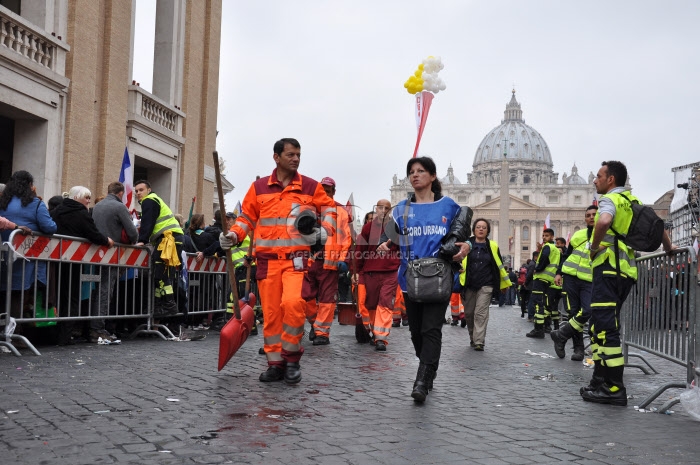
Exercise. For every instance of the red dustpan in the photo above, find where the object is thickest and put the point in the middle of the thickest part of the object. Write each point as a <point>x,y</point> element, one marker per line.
<point>234,333</point>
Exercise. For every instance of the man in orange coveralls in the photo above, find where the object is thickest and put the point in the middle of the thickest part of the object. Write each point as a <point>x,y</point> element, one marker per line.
<point>378,279</point>
<point>321,281</point>
<point>283,209</point>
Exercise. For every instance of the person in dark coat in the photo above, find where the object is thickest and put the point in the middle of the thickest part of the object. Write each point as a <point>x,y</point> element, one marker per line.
<point>73,219</point>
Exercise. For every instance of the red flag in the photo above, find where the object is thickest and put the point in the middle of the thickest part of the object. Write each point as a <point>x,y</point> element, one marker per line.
<point>546,222</point>
<point>423,101</point>
<point>595,201</point>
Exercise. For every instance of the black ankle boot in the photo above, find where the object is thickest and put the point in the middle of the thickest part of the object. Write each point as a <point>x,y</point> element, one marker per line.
<point>560,336</point>
<point>597,379</point>
<point>424,378</point>
<point>579,353</point>
<point>537,332</point>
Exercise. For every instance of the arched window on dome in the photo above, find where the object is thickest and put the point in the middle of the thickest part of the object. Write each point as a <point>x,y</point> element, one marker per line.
<point>525,233</point>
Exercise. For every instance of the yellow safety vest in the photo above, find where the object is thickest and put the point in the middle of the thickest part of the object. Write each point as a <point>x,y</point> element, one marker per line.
<point>493,246</point>
<point>550,270</point>
<point>621,224</point>
<point>166,220</point>
<point>578,263</point>
<point>239,252</point>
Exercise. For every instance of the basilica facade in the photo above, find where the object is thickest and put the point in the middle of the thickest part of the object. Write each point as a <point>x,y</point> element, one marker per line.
<point>514,186</point>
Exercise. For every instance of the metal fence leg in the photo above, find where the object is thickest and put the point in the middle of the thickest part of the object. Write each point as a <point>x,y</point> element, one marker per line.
<point>660,391</point>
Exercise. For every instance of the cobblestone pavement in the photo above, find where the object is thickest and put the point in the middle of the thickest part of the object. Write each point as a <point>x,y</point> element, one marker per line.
<point>90,404</point>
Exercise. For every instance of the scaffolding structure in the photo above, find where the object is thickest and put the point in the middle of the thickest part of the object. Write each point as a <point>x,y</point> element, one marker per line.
<point>684,212</point>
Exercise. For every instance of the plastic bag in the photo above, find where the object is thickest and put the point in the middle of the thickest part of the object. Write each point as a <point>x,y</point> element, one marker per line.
<point>9,325</point>
<point>690,399</point>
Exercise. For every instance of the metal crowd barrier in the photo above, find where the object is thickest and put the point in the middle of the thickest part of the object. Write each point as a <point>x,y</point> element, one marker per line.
<point>659,316</point>
<point>207,285</point>
<point>38,274</point>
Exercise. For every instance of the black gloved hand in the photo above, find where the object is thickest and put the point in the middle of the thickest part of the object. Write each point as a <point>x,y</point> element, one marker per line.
<point>305,222</point>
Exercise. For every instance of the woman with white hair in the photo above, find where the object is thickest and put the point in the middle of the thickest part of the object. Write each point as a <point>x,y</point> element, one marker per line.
<point>73,219</point>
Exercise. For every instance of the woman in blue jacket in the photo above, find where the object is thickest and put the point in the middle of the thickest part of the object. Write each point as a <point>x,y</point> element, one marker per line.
<point>20,204</point>
<point>436,226</point>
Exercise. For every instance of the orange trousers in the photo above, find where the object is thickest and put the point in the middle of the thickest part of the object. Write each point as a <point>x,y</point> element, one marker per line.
<point>321,284</point>
<point>456,307</point>
<point>399,306</point>
<point>377,292</point>
<point>283,312</point>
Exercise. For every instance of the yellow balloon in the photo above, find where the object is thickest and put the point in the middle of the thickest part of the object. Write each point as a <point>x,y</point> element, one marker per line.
<point>420,82</point>
<point>420,66</point>
<point>405,84</point>
<point>417,73</point>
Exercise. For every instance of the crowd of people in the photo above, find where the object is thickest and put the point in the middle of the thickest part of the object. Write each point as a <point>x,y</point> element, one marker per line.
<point>302,252</point>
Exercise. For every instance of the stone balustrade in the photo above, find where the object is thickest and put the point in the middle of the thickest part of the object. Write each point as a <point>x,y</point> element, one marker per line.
<point>28,40</point>
<point>146,105</point>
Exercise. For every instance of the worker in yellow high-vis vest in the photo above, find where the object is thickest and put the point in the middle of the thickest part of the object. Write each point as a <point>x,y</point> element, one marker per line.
<point>545,270</point>
<point>576,277</point>
<point>614,274</point>
<point>160,228</point>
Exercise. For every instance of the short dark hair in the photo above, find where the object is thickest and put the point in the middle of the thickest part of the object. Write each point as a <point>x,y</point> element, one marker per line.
<point>279,145</point>
<point>488,225</point>
<point>549,230</point>
<point>560,239</point>
<point>115,187</point>
<point>142,181</point>
<point>429,165</point>
<point>592,207</point>
<point>618,170</point>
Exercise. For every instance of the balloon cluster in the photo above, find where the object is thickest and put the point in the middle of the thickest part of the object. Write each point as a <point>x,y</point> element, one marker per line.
<point>426,77</point>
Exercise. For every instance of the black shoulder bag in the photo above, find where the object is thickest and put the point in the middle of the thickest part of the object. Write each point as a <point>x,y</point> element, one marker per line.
<point>429,279</point>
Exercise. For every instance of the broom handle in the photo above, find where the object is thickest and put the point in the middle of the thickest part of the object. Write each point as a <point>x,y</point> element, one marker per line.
<point>247,273</point>
<point>230,269</point>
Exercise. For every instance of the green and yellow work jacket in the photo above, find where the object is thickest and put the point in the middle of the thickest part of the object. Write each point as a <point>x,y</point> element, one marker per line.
<point>621,224</point>
<point>550,271</point>
<point>578,263</point>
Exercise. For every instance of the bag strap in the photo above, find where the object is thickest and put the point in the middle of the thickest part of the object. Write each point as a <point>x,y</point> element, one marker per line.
<point>405,227</point>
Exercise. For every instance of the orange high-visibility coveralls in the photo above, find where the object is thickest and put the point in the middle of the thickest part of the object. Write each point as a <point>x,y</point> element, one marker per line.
<point>321,281</point>
<point>456,307</point>
<point>282,255</point>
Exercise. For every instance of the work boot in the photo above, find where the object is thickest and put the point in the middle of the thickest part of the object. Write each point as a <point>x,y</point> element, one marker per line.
<point>537,332</point>
<point>579,353</point>
<point>555,323</point>
<point>380,346</point>
<point>454,322</point>
<point>431,379</point>
<point>560,336</point>
<point>321,341</point>
<point>273,373</point>
<point>597,379</point>
<point>547,324</point>
<point>423,379</point>
<point>292,373</point>
<point>396,324</point>
<point>312,334</point>
<point>605,394</point>
<point>404,321</point>
<point>463,323</point>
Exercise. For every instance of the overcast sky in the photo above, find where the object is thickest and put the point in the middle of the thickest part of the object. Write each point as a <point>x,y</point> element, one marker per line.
<point>598,80</point>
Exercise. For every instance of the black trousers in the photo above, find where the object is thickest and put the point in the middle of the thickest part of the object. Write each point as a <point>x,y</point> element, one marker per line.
<point>425,323</point>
